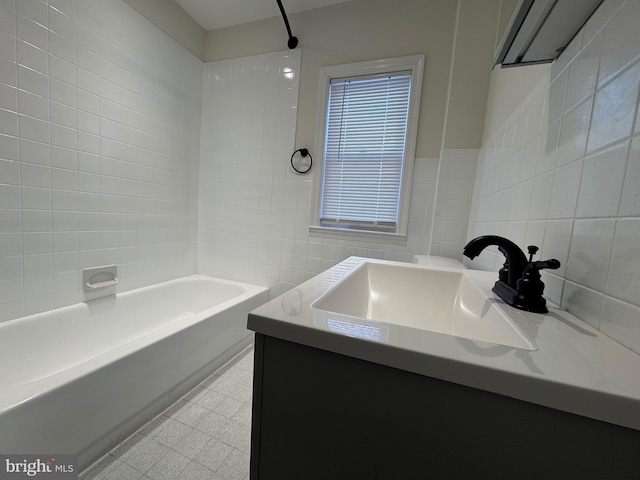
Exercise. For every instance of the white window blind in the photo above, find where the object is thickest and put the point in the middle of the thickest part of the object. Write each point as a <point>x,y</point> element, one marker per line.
<point>366,132</point>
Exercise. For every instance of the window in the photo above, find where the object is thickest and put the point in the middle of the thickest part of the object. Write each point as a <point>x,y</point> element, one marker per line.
<point>367,128</point>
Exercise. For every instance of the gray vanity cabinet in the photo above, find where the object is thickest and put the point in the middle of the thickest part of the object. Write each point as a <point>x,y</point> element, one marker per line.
<point>326,416</point>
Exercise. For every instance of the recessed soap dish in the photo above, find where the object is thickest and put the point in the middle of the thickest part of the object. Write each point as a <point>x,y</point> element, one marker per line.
<point>96,278</point>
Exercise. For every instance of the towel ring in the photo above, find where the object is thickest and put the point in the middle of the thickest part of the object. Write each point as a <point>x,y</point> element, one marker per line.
<point>303,153</point>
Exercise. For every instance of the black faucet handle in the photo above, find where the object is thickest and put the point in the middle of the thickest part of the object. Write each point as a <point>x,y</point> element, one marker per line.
<point>551,264</point>
<point>530,286</point>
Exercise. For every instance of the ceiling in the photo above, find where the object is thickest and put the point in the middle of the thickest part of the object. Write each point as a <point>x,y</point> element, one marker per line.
<point>212,14</point>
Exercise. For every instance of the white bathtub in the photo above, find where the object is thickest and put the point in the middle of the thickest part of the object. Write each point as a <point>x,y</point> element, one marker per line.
<point>79,379</point>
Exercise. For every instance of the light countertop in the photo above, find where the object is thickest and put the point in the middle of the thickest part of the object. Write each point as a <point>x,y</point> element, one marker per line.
<point>574,367</point>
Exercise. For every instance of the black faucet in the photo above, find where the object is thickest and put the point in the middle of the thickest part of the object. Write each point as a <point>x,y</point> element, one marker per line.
<point>519,283</point>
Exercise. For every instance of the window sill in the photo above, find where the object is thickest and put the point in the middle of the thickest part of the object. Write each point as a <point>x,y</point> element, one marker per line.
<point>358,235</point>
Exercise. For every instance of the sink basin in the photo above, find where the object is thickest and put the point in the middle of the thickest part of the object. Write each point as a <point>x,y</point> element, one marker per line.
<point>441,301</point>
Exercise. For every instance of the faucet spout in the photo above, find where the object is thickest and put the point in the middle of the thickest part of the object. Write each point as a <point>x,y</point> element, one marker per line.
<point>516,259</point>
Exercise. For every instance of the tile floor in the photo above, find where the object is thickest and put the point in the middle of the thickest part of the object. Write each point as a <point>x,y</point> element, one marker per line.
<point>204,435</point>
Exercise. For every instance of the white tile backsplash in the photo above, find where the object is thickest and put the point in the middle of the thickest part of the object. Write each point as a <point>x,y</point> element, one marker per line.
<point>601,183</point>
<point>564,190</point>
<point>621,43</point>
<point>630,202</point>
<point>614,110</point>
<point>619,320</point>
<point>557,90</point>
<point>540,197</point>
<point>583,198</point>
<point>590,253</point>
<point>98,150</point>
<point>624,281</point>
<point>573,134</point>
<point>583,73</point>
<point>585,303</point>
<point>556,243</point>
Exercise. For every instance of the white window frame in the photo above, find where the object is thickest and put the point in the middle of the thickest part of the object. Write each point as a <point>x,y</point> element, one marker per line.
<point>412,63</point>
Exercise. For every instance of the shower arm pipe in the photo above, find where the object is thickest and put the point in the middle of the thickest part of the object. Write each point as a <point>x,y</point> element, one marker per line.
<point>293,41</point>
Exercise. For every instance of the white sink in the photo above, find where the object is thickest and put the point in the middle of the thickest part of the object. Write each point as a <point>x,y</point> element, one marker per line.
<point>441,301</point>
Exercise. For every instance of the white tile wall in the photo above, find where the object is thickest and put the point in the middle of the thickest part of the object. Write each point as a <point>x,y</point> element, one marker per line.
<point>99,135</point>
<point>455,178</point>
<point>253,208</point>
<point>583,197</point>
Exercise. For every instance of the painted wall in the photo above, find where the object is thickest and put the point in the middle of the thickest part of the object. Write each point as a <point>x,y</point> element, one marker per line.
<point>99,142</point>
<point>472,55</point>
<point>560,168</point>
<point>172,19</point>
<point>371,29</point>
